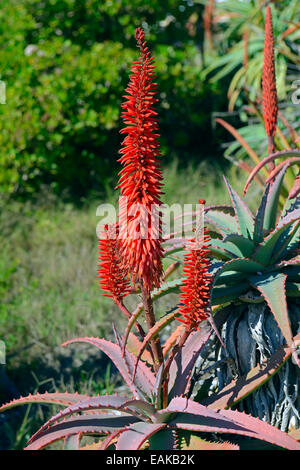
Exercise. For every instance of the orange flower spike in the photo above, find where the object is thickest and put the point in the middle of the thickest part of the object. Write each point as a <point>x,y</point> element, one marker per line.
<point>195,291</point>
<point>113,279</point>
<point>269,92</point>
<point>140,178</point>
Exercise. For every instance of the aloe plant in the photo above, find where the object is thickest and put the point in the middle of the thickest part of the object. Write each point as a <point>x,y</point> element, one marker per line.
<point>163,409</point>
<point>257,277</point>
<point>135,422</point>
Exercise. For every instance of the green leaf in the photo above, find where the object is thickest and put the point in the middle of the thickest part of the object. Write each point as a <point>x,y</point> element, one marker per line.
<point>272,287</point>
<point>221,295</point>
<point>264,251</point>
<point>258,234</point>
<point>225,223</point>
<point>245,218</point>
<point>244,245</point>
<point>240,265</point>
<point>271,209</point>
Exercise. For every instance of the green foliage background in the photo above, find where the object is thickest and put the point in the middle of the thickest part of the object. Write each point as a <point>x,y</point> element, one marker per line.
<point>66,63</point>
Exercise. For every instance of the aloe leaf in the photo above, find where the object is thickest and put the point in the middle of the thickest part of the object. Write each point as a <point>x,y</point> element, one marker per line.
<point>264,251</point>
<point>258,234</point>
<point>240,139</point>
<point>240,265</point>
<point>197,443</point>
<point>220,252</point>
<point>292,290</point>
<point>144,379</point>
<point>295,191</point>
<point>63,399</point>
<point>272,287</point>
<point>171,340</point>
<point>182,366</point>
<point>110,439</point>
<point>221,295</point>
<point>163,440</point>
<point>238,389</point>
<point>85,424</point>
<point>243,213</point>
<point>225,223</point>
<point>285,243</point>
<point>272,201</point>
<point>277,169</point>
<point>105,402</point>
<point>137,434</point>
<point>192,416</point>
<point>244,245</point>
<point>269,158</point>
<point>134,345</point>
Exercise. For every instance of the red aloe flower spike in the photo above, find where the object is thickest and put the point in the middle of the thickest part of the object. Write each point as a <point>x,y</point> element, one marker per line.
<point>196,288</point>
<point>113,278</point>
<point>140,178</point>
<point>269,92</point>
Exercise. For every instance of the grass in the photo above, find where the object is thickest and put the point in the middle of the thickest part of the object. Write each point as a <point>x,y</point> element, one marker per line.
<point>49,289</point>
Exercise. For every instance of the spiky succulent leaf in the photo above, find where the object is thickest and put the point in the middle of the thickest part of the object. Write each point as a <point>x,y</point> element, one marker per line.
<point>85,424</point>
<point>163,440</point>
<point>272,201</point>
<point>144,377</point>
<point>137,434</point>
<point>105,403</point>
<point>224,223</point>
<point>63,399</point>
<point>223,294</point>
<point>192,416</point>
<point>238,389</point>
<point>197,443</point>
<point>244,245</point>
<point>272,287</point>
<point>244,216</point>
<point>182,366</point>
<point>258,233</point>
<point>134,345</point>
<point>268,159</point>
<point>285,243</point>
<point>265,250</point>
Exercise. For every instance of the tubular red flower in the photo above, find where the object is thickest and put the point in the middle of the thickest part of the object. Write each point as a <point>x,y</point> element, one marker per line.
<point>269,92</point>
<point>195,291</point>
<point>113,278</point>
<point>140,178</point>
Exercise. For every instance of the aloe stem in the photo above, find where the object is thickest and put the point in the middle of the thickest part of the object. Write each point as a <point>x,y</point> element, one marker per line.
<point>150,319</point>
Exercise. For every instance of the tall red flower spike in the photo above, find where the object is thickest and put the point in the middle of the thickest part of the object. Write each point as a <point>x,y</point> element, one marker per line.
<point>140,177</point>
<point>269,92</point>
<point>195,291</point>
<point>113,279</point>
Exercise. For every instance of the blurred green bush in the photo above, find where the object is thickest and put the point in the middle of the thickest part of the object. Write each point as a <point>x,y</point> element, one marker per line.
<point>65,64</point>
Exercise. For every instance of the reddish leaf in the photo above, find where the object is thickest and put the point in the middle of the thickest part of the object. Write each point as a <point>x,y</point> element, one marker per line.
<point>85,424</point>
<point>137,434</point>
<point>145,378</point>
<point>63,399</point>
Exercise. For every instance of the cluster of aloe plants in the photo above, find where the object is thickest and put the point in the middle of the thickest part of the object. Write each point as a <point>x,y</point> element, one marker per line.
<point>242,260</point>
